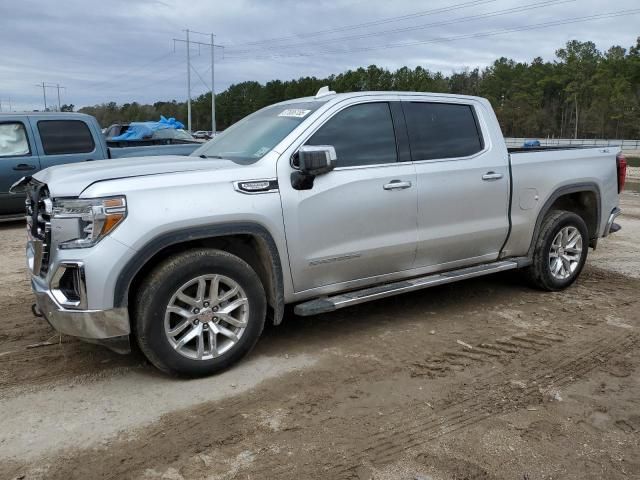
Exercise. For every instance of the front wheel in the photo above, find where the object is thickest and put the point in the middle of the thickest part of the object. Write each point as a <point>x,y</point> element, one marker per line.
<point>560,251</point>
<point>199,312</point>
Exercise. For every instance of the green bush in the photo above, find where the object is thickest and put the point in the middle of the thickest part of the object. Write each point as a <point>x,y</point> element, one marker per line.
<point>633,161</point>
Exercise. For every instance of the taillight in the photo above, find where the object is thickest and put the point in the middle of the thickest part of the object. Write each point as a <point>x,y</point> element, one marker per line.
<point>621,164</point>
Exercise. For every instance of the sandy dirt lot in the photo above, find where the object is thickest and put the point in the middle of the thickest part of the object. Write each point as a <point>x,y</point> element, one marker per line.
<point>485,379</point>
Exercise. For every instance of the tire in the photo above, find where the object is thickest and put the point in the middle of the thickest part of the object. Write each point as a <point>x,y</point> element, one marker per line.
<point>545,272</point>
<point>176,326</point>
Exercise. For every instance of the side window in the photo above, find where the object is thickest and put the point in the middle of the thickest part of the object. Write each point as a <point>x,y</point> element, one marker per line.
<point>13,140</point>
<point>61,137</point>
<point>361,134</point>
<point>442,130</point>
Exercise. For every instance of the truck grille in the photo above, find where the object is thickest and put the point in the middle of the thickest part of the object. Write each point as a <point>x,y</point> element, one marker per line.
<point>38,206</point>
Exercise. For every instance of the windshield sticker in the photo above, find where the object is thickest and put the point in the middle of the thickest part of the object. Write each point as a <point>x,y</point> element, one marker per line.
<point>261,152</point>
<point>294,113</point>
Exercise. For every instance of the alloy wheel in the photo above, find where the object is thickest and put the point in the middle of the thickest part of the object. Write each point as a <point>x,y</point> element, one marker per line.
<point>206,317</point>
<point>565,253</point>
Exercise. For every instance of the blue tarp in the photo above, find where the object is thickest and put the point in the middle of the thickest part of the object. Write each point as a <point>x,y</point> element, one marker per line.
<point>142,130</point>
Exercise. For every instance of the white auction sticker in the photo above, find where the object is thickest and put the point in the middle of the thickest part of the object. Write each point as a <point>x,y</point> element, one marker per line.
<point>294,112</point>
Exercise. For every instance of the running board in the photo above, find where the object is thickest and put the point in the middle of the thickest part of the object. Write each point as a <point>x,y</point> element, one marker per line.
<point>329,304</point>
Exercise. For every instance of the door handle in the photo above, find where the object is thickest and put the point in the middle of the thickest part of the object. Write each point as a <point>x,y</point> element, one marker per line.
<point>492,176</point>
<point>24,166</point>
<point>397,185</point>
<point>89,160</point>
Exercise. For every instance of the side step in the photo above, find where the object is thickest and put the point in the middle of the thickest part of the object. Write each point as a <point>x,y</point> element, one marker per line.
<point>342,300</point>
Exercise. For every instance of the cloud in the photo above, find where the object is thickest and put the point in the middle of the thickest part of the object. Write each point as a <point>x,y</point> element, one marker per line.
<point>123,51</point>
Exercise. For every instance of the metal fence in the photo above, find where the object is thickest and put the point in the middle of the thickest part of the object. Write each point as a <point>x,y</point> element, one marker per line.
<point>625,145</point>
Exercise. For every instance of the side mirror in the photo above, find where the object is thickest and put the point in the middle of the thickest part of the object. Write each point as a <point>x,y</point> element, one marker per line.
<point>317,159</point>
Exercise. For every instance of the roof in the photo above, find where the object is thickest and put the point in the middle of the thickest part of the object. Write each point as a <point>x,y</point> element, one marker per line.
<point>52,114</point>
<point>336,97</point>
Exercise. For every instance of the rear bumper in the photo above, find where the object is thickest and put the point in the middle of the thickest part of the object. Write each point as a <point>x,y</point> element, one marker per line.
<point>612,227</point>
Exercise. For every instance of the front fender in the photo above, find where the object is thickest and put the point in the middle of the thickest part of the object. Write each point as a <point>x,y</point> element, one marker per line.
<point>184,235</point>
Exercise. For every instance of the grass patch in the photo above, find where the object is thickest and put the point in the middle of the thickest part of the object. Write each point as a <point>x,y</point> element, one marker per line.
<point>633,161</point>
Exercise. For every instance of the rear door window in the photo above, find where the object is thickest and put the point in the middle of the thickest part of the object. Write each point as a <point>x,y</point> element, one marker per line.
<point>442,130</point>
<point>362,135</point>
<point>13,140</point>
<point>60,137</point>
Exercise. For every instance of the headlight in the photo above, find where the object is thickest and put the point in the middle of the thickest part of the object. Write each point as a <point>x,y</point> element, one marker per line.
<point>92,219</point>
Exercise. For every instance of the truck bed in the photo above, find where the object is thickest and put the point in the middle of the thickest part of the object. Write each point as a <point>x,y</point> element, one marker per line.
<point>538,173</point>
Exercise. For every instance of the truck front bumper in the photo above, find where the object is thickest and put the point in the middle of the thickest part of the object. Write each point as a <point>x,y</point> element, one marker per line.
<point>106,327</point>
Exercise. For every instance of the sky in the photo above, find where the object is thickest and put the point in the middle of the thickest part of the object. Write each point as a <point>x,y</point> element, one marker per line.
<point>123,50</point>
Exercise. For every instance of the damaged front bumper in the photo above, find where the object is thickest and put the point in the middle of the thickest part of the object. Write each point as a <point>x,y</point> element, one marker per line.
<point>63,304</point>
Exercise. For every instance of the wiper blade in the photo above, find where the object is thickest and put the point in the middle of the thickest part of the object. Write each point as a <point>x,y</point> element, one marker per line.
<point>210,156</point>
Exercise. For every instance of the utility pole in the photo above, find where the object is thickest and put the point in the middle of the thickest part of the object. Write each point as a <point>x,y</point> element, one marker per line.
<point>212,45</point>
<point>44,87</point>
<point>44,95</point>
<point>213,90</point>
<point>188,84</point>
<point>58,87</point>
<point>576,132</point>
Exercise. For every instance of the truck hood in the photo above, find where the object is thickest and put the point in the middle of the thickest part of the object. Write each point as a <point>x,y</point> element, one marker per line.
<point>71,179</point>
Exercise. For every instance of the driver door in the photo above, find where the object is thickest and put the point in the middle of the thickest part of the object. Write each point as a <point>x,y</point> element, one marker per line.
<point>359,221</point>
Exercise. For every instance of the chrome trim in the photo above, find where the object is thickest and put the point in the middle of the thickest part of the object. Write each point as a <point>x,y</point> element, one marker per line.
<point>87,324</point>
<point>491,176</point>
<point>615,213</point>
<point>79,280</point>
<point>329,304</point>
<point>271,187</point>
<point>397,185</point>
<point>35,252</point>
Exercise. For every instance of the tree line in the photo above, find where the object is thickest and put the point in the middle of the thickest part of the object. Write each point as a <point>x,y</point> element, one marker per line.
<point>582,93</point>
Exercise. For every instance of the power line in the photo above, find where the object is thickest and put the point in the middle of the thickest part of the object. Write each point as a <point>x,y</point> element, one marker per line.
<point>448,39</point>
<point>383,21</point>
<point>469,18</point>
<point>128,72</point>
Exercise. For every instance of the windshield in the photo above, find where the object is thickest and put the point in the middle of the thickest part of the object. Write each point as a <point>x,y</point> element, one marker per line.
<point>176,133</point>
<point>254,136</point>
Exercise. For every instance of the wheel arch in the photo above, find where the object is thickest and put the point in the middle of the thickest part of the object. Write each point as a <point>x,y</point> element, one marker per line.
<point>250,241</point>
<point>579,198</point>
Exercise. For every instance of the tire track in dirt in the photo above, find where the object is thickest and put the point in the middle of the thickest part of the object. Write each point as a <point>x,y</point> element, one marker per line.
<point>388,446</point>
<point>404,431</point>
<point>503,350</point>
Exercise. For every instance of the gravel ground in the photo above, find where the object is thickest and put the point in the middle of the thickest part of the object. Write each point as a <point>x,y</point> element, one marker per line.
<point>484,379</point>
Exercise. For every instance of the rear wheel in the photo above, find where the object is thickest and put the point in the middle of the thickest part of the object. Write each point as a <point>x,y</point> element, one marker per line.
<point>560,251</point>
<point>199,312</point>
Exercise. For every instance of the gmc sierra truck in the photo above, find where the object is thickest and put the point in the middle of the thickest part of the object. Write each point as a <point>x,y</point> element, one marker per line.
<point>322,202</point>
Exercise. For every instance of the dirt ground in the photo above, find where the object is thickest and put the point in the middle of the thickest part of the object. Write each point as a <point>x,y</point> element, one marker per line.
<point>484,379</point>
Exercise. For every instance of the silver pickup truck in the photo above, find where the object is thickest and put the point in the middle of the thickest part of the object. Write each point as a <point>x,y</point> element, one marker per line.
<point>322,202</point>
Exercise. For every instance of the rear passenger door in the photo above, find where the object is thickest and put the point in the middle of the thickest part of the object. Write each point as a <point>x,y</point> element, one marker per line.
<point>65,141</point>
<point>463,184</point>
<point>18,158</point>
